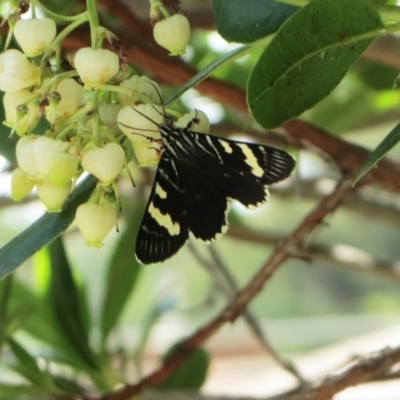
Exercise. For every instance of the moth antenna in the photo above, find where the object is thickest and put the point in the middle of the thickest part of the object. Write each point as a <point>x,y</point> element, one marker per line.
<point>148,118</point>
<point>159,96</point>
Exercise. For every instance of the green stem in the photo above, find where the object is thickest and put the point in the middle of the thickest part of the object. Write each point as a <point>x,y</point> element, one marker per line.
<point>62,35</point>
<point>33,8</point>
<point>58,17</point>
<point>96,120</point>
<point>93,21</point>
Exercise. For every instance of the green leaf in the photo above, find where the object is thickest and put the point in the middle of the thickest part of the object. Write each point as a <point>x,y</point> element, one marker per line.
<point>28,367</point>
<point>378,76</point>
<point>191,375</point>
<point>31,313</point>
<point>246,21</point>
<point>43,231</point>
<point>123,271</point>
<point>8,392</point>
<point>67,304</point>
<point>392,138</point>
<point>308,57</point>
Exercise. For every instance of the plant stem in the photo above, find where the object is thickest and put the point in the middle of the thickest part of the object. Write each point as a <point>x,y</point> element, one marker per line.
<point>93,21</point>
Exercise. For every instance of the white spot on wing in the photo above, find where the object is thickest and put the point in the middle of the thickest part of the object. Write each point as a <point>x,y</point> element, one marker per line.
<point>226,146</point>
<point>164,220</point>
<point>161,192</point>
<point>251,160</point>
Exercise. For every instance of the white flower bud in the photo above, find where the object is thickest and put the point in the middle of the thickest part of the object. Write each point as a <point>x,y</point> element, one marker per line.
<point>34,35</point>
<point>53,197</point>
<point>105,163</point>
<point>62,168</point>
<point>21,185</point>
<point>136,126</point>
<point>95,221</point>
<point>108,114</point>
<point>173,33</point>
<point>147,154</point>
<point>96,67</point>
<point>72,94</point>
<point>141,84</point>
<point>16,72</point>
<point>25,124</point>
<point>25,155</point>
<point>44,149</point>
<point>200,121</point>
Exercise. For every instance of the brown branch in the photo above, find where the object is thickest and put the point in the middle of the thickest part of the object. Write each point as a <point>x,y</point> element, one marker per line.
<point>363,369</point>
<point>360,371</point>
<point>236,307</point>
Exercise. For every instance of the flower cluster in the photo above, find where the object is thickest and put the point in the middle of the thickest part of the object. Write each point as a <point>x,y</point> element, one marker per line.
<point>96,110</point>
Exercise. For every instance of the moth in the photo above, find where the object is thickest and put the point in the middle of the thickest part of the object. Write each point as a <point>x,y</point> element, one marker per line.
<point>198,175</point>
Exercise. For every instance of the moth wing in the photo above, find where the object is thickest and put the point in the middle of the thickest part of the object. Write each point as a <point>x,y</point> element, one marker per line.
<point>163,230</point>
<point>242,171</point>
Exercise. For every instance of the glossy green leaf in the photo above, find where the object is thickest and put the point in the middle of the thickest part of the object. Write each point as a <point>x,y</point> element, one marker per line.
<point>392,138</point>
<point>308,57</point>
<point>122,274</point>
<point>43,231</point>
<point>191,375</point>
<point>67,304</point>
<point>246,21</point>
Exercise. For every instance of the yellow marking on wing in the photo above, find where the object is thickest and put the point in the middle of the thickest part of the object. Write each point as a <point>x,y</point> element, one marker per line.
<point>161,192</point>
<point>164,220</point>
<point>226,146</point>
<point>251,160</point>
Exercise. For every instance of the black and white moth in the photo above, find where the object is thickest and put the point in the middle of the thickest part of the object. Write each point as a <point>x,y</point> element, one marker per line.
<point>197,177</point>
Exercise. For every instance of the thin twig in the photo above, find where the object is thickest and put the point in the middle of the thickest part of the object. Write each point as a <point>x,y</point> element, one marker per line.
<point>228,287</point>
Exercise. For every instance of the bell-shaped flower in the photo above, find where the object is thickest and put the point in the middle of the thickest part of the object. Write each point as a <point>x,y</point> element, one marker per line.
<point>16,71</point>
<point>105,162</point>
<point>71,94</point>
<point>147,154</point>
<point>173,33</point>
<point>25,155</point>
<point>108,114</point>
<point>53,197</point>
<point>11,101</point>
<point>21,185</point>
<point>196,120</point>
<point>44,149</point>
<point>34,35</point>
<point>96,67</point>
<point>143,85</point>
<point>139,123</point>
<point>63,167</point>
<point>95,221</point>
